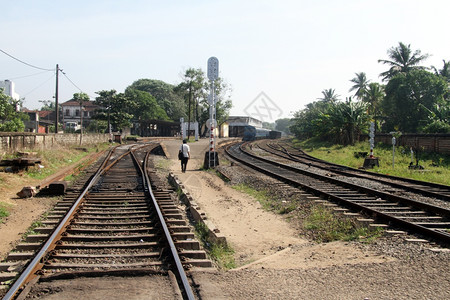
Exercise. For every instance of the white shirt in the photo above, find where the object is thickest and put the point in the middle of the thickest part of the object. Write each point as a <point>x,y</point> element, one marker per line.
<point>185,149</point>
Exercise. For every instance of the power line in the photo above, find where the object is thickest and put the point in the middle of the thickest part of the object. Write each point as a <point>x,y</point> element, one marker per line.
<point>73,83</point>
<point>39,86</point>
<point>25,62</point>
<point>24,76</point>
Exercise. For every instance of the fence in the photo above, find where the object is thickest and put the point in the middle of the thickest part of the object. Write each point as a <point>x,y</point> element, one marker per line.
<point>437,142</point>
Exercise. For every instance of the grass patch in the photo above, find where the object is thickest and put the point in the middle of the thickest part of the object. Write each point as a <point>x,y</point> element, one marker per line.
<point>326,226</point>
<point>163,164</point>
<point>55,159</point>
<point>223,255</point>
<point>262,197</point>
<point>4,210</point>
<point>436,166</point>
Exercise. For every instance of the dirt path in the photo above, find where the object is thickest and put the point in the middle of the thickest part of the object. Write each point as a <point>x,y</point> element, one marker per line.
<point>261,239</point>
<point>23,212</point>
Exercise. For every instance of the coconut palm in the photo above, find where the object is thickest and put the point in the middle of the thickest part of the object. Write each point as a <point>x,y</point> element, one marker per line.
<point>445,71</point>
<point>373,96</point>
<point>329,96</point>
<point>360,84</point>
<point>403,60</point>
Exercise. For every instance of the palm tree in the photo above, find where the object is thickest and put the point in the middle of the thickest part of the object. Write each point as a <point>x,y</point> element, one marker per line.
<point>445,71</point>
<point>329,96</point>
<point>403,60</point>
<point>373,96</point>
<point>360,84</point>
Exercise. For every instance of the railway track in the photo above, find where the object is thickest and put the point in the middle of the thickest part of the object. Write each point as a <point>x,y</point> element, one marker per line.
<point>428,220</point>
<point>286,151</point>
<point>118,223</point>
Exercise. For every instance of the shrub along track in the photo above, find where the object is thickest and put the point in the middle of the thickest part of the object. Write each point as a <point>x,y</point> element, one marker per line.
<point>116,223</point>
<point>418,217</point>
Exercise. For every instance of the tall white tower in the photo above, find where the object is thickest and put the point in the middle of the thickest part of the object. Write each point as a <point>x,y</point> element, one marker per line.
<point>9,89</point>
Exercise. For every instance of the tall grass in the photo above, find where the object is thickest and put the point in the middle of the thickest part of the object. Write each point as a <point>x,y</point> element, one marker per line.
<point>55,159</point>
<point>436,167</point>
<point>326,226</point>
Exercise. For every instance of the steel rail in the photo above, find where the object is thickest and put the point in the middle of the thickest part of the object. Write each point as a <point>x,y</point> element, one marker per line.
<point>38,261</point>
<point>185,282</point>
<point>371,176</point>
<point>431,208</point>
<point>441,236</point>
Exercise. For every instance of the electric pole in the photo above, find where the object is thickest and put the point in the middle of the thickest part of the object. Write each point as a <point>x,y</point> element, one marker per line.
<point>189,110</point>
<point>56,100</point>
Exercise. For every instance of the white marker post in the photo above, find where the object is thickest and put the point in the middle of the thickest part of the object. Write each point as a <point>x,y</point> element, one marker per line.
<point>213,74</point>
<point>372,138</point>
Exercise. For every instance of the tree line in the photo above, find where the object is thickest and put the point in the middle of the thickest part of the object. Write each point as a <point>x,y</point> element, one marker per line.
<point>144,100</point>
<point>411,98</point>
<point>151,99</point>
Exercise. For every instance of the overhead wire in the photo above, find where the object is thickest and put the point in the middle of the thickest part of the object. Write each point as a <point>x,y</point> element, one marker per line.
<point>21,61</point>
<point>26,94</point>
<point>81,91</point>
<point>24,76</point>
<point>71,81</point>
<point>44,69</point>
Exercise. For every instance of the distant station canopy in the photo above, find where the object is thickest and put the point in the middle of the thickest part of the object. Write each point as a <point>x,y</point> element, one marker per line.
<point>156,128</point>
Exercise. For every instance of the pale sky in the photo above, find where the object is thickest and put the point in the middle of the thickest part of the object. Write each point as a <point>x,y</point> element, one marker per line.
<point>282,52</point>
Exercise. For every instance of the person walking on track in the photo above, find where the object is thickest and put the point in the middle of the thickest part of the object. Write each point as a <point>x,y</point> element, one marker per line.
<point>184,155</point>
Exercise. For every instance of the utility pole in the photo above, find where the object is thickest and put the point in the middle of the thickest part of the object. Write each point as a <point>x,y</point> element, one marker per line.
<point>109,119</point>
<point>189,110</point>
<point>81,122</point>
<point>56,100</point>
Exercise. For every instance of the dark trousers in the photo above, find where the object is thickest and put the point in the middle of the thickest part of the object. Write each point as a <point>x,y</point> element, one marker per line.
<point>184,162</point>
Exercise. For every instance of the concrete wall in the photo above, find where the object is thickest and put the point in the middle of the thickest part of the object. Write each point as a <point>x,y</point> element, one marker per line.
<point>11,142</point>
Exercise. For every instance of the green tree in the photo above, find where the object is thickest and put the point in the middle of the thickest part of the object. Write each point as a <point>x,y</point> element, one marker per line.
<point>346,121</point>
<point>222,93</point>
<point>144,110</point>
<point>305,123</point>
<point>444,72</point>
<point>115,107</point>
<point>373,97</point>
<point>10,119</point>
<point>438,119</point>
<point>360,84</point>
<point>80,97</point>
<point>409,98</point>
<point>339,122</point>
<point>145,106</point>
<point>165,96</point>
<point>192,89</point>
<point>329,95</point>
<point>402,60</point>
<point>283,125</point>
<point>48,105</point>
<point>267,125</point>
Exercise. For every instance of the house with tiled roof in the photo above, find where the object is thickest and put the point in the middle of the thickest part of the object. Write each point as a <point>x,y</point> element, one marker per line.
<point>74,112</point>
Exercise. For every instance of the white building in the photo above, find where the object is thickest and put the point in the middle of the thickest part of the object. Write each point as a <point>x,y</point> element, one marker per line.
<point>72,110</point>
<point>9,89</point>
